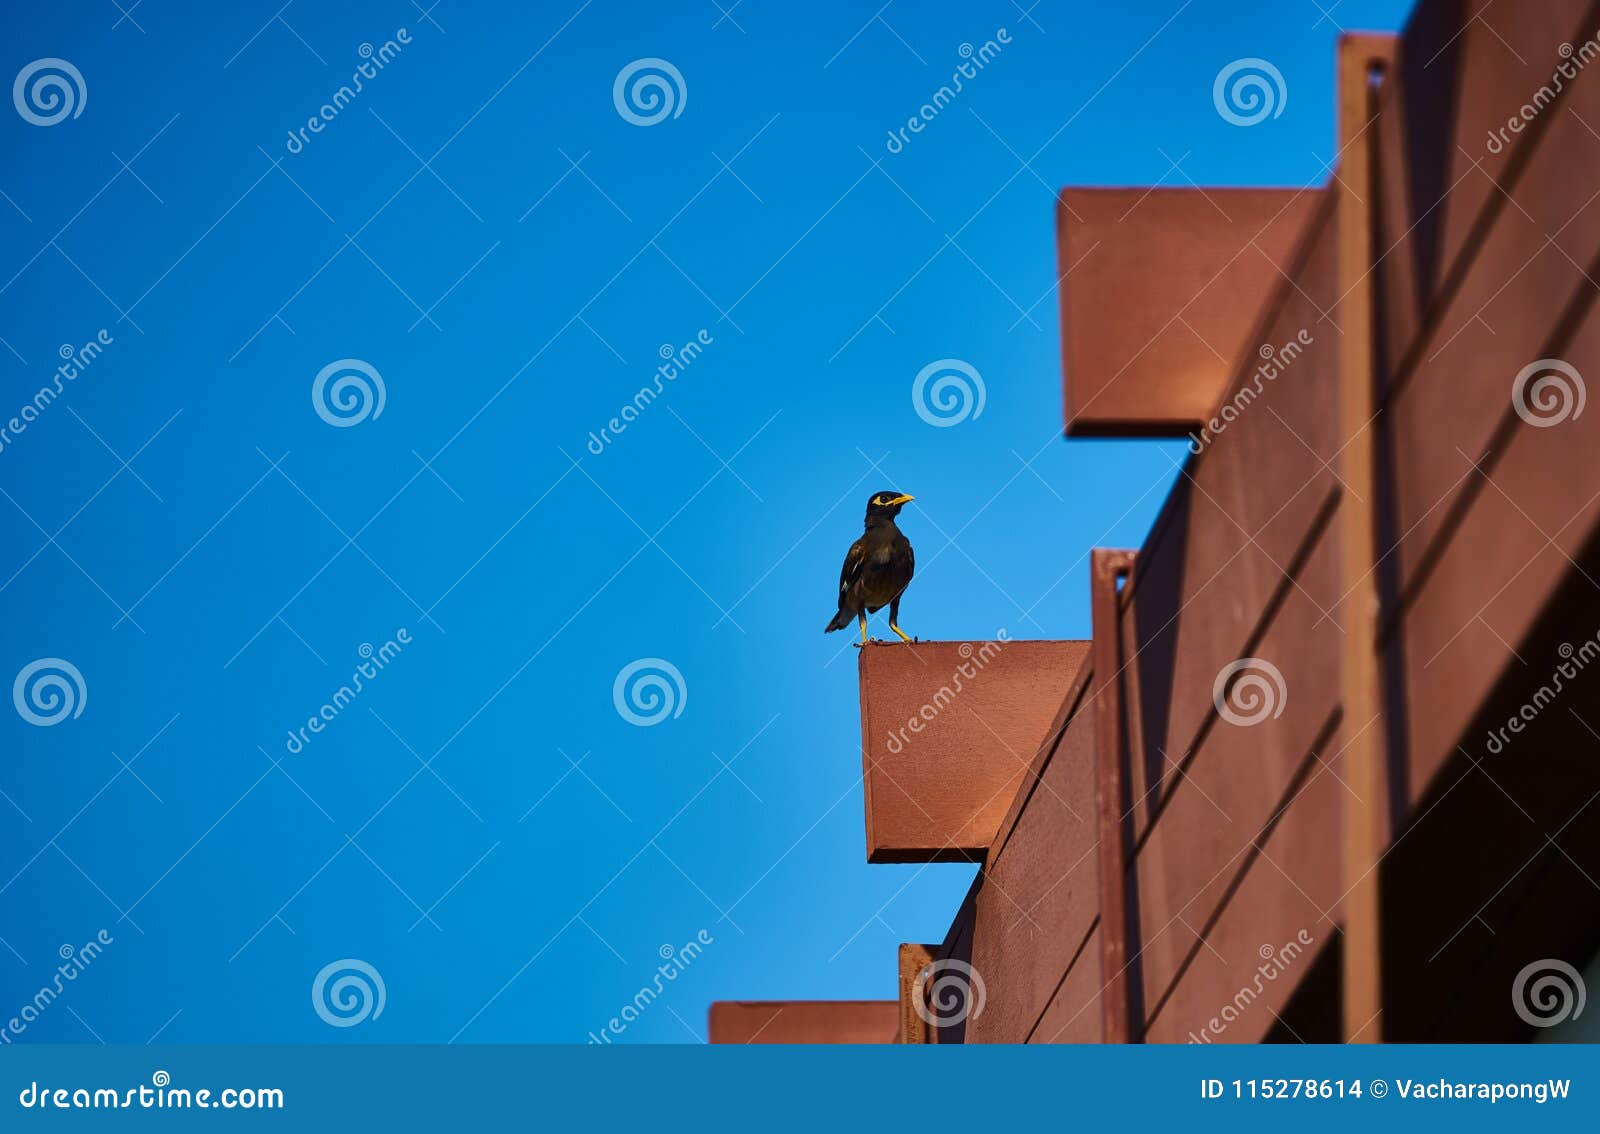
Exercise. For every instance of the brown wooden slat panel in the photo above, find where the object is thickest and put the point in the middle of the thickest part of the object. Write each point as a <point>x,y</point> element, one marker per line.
<point>1038,898</point>
<point>1208,575</point>
<point>1499,567</point>
<point>1474,891</point>
<point>1509,300</point>
<point>1283,894</point>
<point>1073,1014</point>
<point>1238,778</point>
<point>1438,124</point>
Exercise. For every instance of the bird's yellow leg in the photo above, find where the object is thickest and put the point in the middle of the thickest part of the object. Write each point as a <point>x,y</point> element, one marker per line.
<point>863,617</point>
<point>903,636</point>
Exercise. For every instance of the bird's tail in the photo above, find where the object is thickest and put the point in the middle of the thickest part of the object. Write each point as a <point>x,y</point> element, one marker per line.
<point>840,621</point>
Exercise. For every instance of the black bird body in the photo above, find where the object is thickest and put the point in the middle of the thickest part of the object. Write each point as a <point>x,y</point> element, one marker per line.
<point>877,568</point>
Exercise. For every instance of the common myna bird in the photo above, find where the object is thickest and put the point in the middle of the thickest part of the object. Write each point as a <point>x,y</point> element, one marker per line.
<point>876,569</point>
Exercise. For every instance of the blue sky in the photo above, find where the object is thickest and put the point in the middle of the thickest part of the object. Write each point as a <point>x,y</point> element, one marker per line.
<point>485,230</point>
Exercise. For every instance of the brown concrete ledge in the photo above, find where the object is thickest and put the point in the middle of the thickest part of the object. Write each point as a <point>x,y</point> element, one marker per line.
<point>1161,291</point>
<point>804,1021</point>
<point>948,733</point>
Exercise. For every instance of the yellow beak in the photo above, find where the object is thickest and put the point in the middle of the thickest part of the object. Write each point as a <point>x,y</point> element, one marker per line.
<point>902,500</point>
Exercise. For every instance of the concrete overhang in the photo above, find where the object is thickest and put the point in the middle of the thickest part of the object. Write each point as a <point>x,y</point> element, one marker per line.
<point>948,732</point>
<point>1161,294</point>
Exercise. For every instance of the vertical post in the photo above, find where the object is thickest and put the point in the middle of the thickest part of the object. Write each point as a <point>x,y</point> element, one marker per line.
<point>1106,569</point>
<point>1363,61</point>
<point>914,1027</point>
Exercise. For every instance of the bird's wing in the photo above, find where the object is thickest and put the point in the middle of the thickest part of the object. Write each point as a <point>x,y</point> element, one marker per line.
<point>896,569</point>
<point>854,559</point>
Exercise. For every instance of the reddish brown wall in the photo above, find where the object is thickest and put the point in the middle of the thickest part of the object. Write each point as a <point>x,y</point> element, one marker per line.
<point>1237,829</point>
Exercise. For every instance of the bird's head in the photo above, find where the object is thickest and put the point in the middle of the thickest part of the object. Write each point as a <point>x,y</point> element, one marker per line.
<point>886,505</point>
